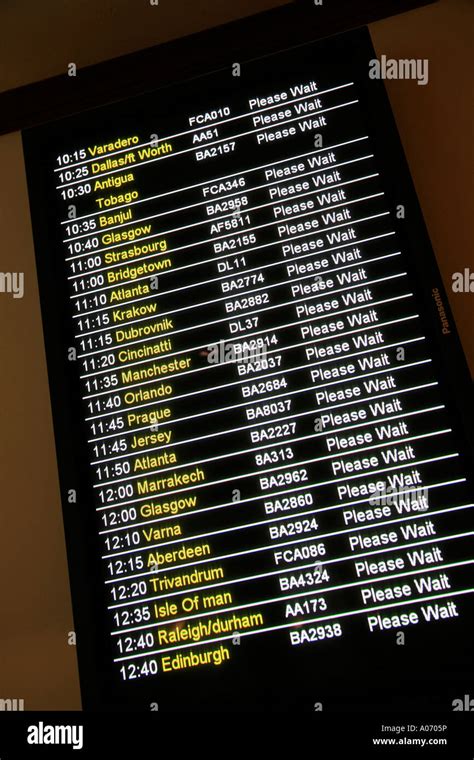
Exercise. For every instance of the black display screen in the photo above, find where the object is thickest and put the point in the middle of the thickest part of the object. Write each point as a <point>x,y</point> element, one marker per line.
<point>259,396</point>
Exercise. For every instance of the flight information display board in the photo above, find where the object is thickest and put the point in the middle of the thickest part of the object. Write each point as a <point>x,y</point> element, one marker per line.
<point>259,396</point>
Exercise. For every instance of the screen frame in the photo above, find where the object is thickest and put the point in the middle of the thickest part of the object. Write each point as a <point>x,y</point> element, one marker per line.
<point>135,73</point>
<point>61,372</point>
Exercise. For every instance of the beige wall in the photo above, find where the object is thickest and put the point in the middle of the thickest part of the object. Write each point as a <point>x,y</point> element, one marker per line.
<point>436,127</point>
